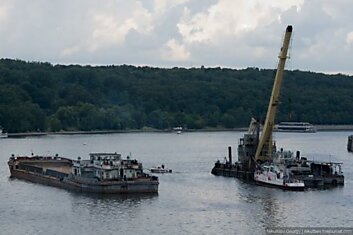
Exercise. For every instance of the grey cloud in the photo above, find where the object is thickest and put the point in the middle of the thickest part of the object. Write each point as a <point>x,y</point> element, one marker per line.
<point>41,30</point>
<point>319,39</point>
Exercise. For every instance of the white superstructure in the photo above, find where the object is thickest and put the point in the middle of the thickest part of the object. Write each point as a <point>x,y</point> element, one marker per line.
<point>295,127</point>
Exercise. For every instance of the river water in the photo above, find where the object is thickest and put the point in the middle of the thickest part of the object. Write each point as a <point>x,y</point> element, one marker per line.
<point>190,200</point>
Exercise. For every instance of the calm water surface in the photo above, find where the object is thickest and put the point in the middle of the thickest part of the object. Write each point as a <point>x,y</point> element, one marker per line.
<point>190,201</point>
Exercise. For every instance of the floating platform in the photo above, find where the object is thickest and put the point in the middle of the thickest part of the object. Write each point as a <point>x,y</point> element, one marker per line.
<point>314,179</point>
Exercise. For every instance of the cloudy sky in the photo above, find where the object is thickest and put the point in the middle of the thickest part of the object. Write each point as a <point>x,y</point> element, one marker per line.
<point>183,33</point>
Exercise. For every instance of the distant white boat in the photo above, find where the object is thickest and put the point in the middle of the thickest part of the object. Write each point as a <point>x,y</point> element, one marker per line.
<point>178,129</point>
<point>295,127</point>
<point>2,134</point>
<point>160,169</point>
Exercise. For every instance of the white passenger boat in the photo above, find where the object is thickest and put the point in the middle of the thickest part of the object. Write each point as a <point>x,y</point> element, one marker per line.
<point>295,127</point>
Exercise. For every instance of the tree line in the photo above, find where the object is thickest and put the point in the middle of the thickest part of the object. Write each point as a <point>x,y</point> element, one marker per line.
<point>37,96</point>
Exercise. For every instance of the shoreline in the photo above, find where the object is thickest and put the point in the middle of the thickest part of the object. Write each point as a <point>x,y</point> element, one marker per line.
<point>240,129</point>
<point>334,127</point>
<point>25,134</point>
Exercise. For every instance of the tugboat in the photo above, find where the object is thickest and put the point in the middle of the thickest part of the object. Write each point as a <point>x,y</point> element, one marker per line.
<point>105,173</point>
<point>274,176</point>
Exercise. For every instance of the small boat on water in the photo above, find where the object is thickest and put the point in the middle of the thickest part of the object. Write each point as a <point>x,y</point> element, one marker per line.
<point>178,129</point>
<point>2,133</point>
<point>105,173</point>
<point>273,176</point>
<point>160,169</point>
<point>295,127</point>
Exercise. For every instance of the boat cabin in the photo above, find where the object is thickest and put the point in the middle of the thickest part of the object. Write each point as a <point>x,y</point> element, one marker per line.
<point>326,168</point>
<point>107,166</point>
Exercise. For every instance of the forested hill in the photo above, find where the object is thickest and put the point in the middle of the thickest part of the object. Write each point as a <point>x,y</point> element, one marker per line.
<point>44,97</point>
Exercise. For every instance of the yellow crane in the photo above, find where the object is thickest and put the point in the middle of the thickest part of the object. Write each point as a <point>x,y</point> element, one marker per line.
<point>265,147</point>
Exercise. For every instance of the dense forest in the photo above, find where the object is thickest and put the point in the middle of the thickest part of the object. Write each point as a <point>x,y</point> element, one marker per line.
<point>44,97</point>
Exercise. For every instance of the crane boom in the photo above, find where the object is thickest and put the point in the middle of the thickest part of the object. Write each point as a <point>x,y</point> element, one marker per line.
<point>264,148</point>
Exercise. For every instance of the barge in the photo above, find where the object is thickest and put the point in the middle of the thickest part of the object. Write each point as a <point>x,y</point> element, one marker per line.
<point>258,155</point>
<point>105,173</point>
<point>314,174</point>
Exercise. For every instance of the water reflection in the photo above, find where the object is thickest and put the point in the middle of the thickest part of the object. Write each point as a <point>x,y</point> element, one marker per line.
<point>190,202</point>
<point>271,211</point>
<point>117,208</point>
<point>111,199</point>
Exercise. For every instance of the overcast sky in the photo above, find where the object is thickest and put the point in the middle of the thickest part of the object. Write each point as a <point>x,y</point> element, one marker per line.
<point>179,33</point>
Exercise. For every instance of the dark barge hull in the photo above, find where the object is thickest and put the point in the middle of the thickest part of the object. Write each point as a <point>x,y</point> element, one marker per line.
<point>280,186</point>
<point>114,187</point>
<point>322,182</point>
<point>233,172</point>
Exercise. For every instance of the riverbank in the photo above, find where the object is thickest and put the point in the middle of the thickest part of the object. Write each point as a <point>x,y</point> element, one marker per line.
<point>25,134</point>
<point>19,135</point>
<point>334,127</point>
